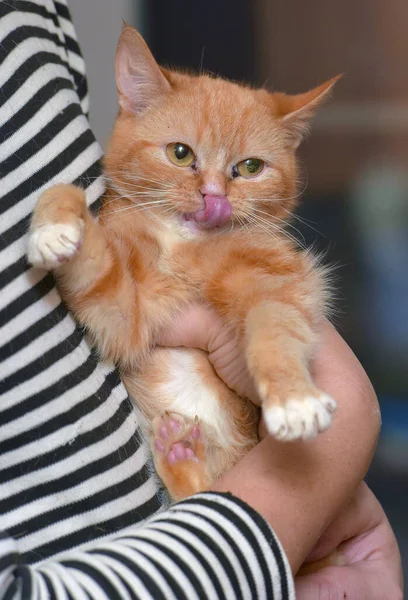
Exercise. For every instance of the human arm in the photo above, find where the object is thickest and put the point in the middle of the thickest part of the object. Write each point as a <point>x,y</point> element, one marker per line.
<point>358,554</point>
<point>298,487</point>
<point>209,546</point>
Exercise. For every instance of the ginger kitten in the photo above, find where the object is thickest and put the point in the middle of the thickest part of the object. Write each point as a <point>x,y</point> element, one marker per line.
<point>201,179</point>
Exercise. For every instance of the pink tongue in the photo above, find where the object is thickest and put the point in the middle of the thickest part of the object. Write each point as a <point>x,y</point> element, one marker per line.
<point>217,212</point>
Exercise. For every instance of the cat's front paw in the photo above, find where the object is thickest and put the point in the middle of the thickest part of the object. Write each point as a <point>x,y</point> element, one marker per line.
<point>299,418</point>
<point>51,245</point>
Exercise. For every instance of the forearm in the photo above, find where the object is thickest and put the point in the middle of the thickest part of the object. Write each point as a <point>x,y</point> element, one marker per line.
<point>299,487</point>
<point>208,546</point>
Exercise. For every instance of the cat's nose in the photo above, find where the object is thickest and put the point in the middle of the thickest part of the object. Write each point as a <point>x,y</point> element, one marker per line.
<point>214,186</point>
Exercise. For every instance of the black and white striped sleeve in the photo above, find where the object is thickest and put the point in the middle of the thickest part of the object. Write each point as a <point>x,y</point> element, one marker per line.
<point>210,546</point>
<point>76,491</point>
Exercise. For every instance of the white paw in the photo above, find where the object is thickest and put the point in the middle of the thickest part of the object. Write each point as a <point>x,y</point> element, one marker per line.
<point>300,419</point>
<point>51,245</point>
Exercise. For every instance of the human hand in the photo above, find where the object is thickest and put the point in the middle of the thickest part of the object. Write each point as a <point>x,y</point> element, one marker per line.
<point>361,552</point>
<point>333,369</point>
<point>200,327</point>
<point>306,483</point>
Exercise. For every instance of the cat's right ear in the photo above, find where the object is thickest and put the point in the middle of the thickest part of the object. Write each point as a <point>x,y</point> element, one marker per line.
<point>138,76</point>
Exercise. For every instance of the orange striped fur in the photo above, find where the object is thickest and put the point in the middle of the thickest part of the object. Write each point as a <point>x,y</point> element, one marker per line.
<point>128,274</point>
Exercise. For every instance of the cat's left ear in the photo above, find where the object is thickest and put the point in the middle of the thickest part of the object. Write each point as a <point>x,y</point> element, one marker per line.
<point>294,112</point>
<point>139,78</point>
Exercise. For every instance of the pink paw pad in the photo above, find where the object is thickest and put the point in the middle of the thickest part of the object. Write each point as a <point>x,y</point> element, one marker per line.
<point>159,445</point>
<point>168,426</point>
<point>180,451</point>
<point>174,438</point>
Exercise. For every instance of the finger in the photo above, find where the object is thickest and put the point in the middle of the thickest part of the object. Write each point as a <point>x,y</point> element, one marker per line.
<point>371,557</point>
<point>200,327</point>
<point>361,514</point>
<point>197,327</point>
<point>358,582</point>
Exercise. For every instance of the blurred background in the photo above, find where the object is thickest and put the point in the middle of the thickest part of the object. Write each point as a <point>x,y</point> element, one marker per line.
<point>355,206</point>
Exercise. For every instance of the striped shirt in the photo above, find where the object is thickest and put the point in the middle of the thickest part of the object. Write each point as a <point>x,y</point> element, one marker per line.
<point>80,513</point>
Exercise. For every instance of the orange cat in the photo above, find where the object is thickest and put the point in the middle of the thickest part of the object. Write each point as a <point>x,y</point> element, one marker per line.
<point>201,177</point>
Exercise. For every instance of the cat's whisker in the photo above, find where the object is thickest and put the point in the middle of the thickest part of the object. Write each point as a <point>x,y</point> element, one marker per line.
<point>141,189</point>
<point>304,222</point>
<point>255,221</point>
<point>138,190</point>
<point>134,196</point>
<point>92,177</point>
<point>243,224</point>
<point>271,218</point>
<point>266,201</point>
<point>133,179</point>
<point>282,231</point>
<point>170,210</point>
<point>259,225</point>
<point>133,199</point>
<point>136,207</point>
<point>142,193</point>
<point>279,199</point>
<point>139,185</point>
<point>151,194</point>
<point>271,227</point>
<point>295,229</point>
<point>288,224</point>
<point>114,214</point>
<point>284,224</point>
<point>148,203</point>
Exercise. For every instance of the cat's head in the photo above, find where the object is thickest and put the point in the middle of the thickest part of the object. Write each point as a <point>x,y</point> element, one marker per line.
<point>201,153</point>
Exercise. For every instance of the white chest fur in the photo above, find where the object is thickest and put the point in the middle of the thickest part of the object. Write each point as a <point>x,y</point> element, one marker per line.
<point>188,392</point>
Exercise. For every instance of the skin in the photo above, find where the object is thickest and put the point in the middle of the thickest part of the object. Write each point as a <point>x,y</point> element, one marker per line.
<point>310,483</point>
<point>366,546</point>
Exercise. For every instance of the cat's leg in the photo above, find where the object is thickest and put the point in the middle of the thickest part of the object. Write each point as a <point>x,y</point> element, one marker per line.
<point>66,238</point>
<point>180,456</point>
<point>279,345</point>
<point>182,382</point>
<point>275,303</point>
<point>92,271</point>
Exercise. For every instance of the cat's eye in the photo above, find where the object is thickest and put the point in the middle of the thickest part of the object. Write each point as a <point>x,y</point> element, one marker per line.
<point>180,154</point>
<point>249,167</point>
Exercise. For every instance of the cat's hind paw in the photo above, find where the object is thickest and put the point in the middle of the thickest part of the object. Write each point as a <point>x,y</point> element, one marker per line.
<point>180,455</point>
<point>300,418</point>
<point>51,245</point>
<point>174,439</point>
